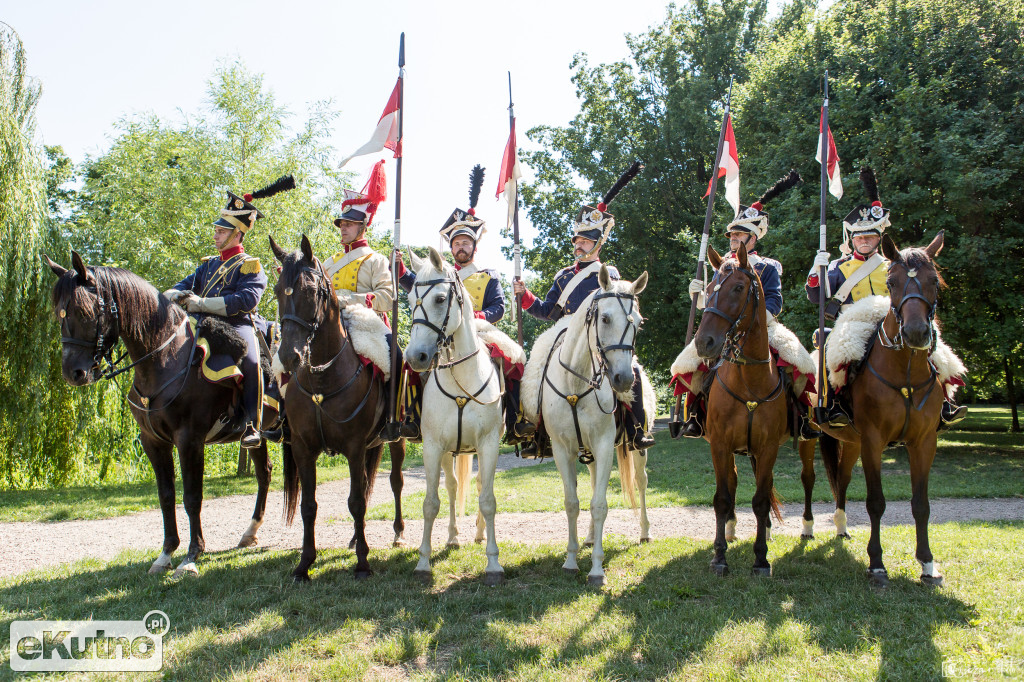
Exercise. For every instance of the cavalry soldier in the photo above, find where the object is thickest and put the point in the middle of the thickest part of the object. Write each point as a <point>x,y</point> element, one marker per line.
<point>360,275</point>
<point>861,271</point>
<point>576,282</point>
<point>749,226</point>
<point>230,286</point>
<point>463,231</point>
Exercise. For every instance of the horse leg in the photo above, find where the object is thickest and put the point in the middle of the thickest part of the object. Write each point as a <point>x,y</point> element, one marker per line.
<point>599,513</point>
<point>806,449</point>
<point>730,517</point>
<point>849,453</point>
<point>922,453</point>
<point>451,484</point>
<point>431,503</point>
<point>761,504</point>
<point>487,459</point>
<point>481,522</point>
<point>566,464</point>
<point>640,473</point>
<point>263,467</point>
<point>592,469</point>
<point>160,456</point>
<point>397,450</point>
<point>357,501</point>
<point>306,465</point>
<point>724,503</point>
<point>871,460</point>
<point>192,461</point>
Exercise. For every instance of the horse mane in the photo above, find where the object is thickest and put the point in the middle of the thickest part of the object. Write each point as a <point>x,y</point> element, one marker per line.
<point>916,257</point>
<point>150,312</point>
<point>292,269</point>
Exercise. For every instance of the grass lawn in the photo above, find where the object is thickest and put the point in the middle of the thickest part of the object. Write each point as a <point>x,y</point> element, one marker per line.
<point>662,615</point>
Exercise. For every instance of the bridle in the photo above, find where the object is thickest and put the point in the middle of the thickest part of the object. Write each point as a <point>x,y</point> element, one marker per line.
<point>896,342</point>
<point>732,350</point>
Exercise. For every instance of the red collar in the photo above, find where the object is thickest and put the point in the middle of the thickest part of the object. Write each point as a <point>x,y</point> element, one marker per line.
<point>856,254</point>
<point>355,245</point>
<point>232,252</point>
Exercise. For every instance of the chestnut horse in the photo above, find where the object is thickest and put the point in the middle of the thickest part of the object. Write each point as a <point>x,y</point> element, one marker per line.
<point>746,402</point>
<point>335,403</point>
<point>172,404</point>
<point>896,398</point>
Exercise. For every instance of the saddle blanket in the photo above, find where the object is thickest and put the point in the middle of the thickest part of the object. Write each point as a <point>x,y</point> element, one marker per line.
<point>221,368</point>
<point>688,369</point>
<point>534,374</point>
<point>848,343</point>
<point>502,348</point>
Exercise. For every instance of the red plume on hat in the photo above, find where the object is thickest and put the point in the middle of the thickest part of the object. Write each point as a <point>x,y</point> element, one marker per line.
<point>374,192</point>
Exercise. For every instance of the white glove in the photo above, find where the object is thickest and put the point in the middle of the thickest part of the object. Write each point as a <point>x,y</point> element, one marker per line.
<point>189,301</point>
<point>821,259</point>
<point>214,305</point>
<point>696,287</point>
<point>346,297</point>
<point>173,295</point>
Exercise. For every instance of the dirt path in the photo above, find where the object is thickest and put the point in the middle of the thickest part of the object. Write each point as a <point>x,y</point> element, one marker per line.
<point>30,545</point>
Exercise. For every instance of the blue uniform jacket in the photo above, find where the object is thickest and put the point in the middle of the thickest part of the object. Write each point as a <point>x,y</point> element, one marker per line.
<point>548,310</point>
<point>770,272</point>
<point>241,291</point>
<point>493,307</point>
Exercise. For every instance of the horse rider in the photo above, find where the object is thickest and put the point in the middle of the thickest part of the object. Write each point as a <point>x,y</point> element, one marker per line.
<point>230,285</point>
<point>861,271</point>
<point>573,284</point>
<point>463,231</point>
<point>748,227</point>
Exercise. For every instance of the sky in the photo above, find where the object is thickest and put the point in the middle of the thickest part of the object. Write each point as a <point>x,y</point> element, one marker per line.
<point>101,60</point>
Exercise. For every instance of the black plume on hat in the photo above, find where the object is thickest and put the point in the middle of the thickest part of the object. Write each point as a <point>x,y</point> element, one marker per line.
<point>476,183</point>
<point>867,178</point>
<point>623,180</point>
<point>784,183</point>
<point>282,184</point>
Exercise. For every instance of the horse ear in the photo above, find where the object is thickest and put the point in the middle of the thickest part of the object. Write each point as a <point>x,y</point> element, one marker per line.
<point>603,278</point>
<point>79,265</point>
<point>57,269</point>
<point>436,260</point>
<point>307,248</point>
<point>640,284</point>
<point>279,253</point>
<point>935,247</point>
<point>890,250</point>
<point>417,262</point>
<point>714,258</point>
<point>741,255</point>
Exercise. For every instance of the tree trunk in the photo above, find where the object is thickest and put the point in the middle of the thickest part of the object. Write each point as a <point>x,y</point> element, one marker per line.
<point>1011,392</point>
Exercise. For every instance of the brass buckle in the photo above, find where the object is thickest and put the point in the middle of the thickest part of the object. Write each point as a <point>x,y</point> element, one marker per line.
<point>461,401</point>
<point>905,391</point>
<point>572,400</point>
<point>751,405</point>
<point>317,398</point>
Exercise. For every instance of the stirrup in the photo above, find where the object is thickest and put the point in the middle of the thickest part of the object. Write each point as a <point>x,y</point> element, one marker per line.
<point>837,417</point>
<point>410,430</point>
<point>251,439</point>
<point>692,428</point>
<point>806,430</point>
<point>642,441</point>
<point>952,414</point>
<point>524,429</point>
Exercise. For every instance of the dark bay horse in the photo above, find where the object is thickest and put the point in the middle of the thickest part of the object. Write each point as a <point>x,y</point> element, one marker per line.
<point>746,401</point>
<point>896,398</point>
<point>173,405</point>
<point>335,403</point>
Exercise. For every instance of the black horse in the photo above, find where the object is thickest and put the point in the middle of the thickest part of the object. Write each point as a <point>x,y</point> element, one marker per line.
<point>335,403</point>
<point>173,405</point>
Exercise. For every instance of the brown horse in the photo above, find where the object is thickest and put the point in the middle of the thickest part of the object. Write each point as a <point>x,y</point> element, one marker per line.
<point>173,405</point>
<point>746,402</point>
<point>335,403</point>
<point>896,398</point>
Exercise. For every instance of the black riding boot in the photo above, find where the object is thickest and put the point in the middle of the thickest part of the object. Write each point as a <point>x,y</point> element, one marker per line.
<point>517,427</point>
<point>805,428</point>
<point>951,413</point>
<point>410,429</point>
<point>693,427</point>
<point>636,417</point>
<point>838,417</point>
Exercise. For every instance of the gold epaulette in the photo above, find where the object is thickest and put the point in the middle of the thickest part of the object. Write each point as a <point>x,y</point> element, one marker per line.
<point>206,258</point>
<point>251,266</point>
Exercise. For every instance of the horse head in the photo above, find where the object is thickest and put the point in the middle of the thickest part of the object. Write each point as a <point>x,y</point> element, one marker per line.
<point>439,307</point>
<point>614,320</point>
<point>304,298</point>
<point>914,284</point>
<point>85,331</point>
<point>730,293</point>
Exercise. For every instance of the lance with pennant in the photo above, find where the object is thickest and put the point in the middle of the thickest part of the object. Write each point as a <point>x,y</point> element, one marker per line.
<point>393,425</point>
<point>516,257</point>
<point>823,140</point>
<point>703,252</point>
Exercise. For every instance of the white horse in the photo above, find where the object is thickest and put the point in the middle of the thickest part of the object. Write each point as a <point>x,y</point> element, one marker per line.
<point>462,402</point>
<point>576,371</point>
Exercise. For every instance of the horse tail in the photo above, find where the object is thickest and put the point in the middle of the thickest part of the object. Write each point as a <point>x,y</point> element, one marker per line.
<point>372,463</point>
<point>463,472</point>
<point>291,482</point>
<point>830,454</point>
<point>627,474</point>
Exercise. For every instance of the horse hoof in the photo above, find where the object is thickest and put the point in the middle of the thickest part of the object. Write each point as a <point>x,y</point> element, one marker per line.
<point>761,571</point>
<point>844,536</point>
<point>300,578</point>
<point>479,541</point>
<point>363,574</point>
<point>187,569</point>
<point>398,543</point>
<point>644,541</point>
<point>804,536</point>
<point>452,544</point>
<point>247,541</point>
<point>493,578</point>
<point>425,577</point>
<point>588,543</point>
<point>879,578</point>
<point>595,580</point>
<point>570,571</point>
<point>157,569</point>
<point>932,580</point>
<point>721,570</point>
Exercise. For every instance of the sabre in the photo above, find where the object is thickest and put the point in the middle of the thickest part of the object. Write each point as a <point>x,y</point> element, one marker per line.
<point>819,411</point>
<point>393,426</point>
<point>516,258</point>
